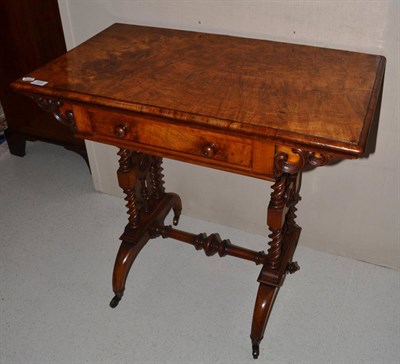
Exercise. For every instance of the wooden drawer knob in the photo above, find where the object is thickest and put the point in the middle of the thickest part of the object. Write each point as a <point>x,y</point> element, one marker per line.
<point>120,131</point>
<point>209,150</point>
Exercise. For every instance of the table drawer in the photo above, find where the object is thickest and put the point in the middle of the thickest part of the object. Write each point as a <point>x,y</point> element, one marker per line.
<point>207,145</point>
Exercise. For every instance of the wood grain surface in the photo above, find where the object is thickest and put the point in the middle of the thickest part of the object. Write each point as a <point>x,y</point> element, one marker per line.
<point>301,94</point>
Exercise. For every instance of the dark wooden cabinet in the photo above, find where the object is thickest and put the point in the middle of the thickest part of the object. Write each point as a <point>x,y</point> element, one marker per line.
<point>31,35</point>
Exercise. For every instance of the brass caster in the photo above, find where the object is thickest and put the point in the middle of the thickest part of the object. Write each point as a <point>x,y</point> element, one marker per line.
<point>256,351</point>
<point>114,302</point>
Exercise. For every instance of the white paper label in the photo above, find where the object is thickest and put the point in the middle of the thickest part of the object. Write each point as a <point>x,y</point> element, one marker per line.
<point>39,83</point>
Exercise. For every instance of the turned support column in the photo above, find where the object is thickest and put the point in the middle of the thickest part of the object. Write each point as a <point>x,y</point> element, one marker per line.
<point>157,178</point>
<point>127,178</point>
<point>140,177</point>
<point>289,163</point>
<point>275,220</point>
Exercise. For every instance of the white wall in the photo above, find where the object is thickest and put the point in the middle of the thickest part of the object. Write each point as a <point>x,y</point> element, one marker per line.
<point>350,209</point>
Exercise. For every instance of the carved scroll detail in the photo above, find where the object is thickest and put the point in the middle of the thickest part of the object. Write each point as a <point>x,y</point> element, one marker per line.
<point>305,158</point>
<point>54,106</point>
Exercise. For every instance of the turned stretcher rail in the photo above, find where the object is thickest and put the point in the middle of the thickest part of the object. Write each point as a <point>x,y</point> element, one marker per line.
<point>212,244</point>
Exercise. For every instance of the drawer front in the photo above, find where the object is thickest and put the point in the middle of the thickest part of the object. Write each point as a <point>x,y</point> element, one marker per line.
<point>196,143</point>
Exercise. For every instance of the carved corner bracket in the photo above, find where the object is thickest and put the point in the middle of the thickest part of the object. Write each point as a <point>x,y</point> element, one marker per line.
<point>54,106</point>
<point>295,160</point>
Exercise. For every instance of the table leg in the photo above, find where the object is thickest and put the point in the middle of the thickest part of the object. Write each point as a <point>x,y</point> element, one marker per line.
<point>127,178</point>
<point>147,204</point>
<point>284,237</point>
<point>127,254</point>
<point>266,296</point>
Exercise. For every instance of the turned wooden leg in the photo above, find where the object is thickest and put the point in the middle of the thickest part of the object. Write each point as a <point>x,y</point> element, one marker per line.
<point>127,177</point>
<point>157,178</point>
<point>293,198</point>
<point>265,300</point>
<point>283,241</point>
<point>146,211</point>
<point>276,220</point>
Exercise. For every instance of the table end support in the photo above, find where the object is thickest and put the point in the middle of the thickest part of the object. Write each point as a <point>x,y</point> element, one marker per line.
<point>140,177</point>
<point>283,241</point>
<point>289,164</point>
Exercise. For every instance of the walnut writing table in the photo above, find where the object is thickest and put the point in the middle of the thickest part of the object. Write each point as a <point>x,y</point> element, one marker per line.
<point>259,108</point>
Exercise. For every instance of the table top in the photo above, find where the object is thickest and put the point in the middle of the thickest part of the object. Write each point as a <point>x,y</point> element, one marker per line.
<point>287,92</point>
